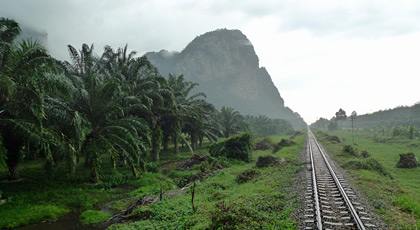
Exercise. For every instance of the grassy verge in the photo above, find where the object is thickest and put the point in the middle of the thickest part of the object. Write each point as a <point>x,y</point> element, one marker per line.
<point>393,192</point>
<point>224,202</point>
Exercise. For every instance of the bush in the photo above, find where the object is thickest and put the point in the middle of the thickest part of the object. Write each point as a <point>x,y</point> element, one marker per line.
<point>370,164</point>
<point>246,175</point>
<point>349,149</point>
<point>365,154</point>
<point>374,165</point>
<point>408,160</point>
<point>283,143</point>
<point>151,167</point>
<point>226,217</point>
<point>264,144</point>
<point>333,139</point>
<point>264,161</point>
<point>236,147</point>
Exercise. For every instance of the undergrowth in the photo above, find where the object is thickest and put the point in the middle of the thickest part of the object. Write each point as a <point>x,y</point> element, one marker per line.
<point>237,197</point>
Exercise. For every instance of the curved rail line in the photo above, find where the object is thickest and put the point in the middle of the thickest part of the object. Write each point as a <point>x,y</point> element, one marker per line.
<point>355,219</point>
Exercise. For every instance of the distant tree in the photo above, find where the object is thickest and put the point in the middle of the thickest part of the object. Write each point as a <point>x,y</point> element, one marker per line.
<point>262,126</point>
<point>411,132</point>
<point>321,123</point>
<point>353,118</point>
<point>341,116</point>
<point>332,125</point>
<point>232,121</point>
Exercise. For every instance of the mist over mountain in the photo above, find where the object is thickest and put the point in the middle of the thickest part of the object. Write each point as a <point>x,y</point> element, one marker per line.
<point>226,66</point>
<point>34,35</point>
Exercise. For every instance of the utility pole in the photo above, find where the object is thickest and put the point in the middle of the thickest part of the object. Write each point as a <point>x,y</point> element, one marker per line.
<point>352,117</point>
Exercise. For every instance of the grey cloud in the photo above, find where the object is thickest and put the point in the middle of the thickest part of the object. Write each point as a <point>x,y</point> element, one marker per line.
<point>151,25</point>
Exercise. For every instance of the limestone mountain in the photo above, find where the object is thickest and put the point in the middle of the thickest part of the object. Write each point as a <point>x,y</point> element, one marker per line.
<point>226,66</point>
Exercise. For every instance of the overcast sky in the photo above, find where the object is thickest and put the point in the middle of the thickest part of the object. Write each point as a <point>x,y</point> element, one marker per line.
<point>322,55</point>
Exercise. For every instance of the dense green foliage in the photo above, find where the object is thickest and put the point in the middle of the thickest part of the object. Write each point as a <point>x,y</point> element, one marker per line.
<point>262,126</point>
<point>105,119</point>
<point>236,147</point>
<point>264,144</point>
<point>238,197</point>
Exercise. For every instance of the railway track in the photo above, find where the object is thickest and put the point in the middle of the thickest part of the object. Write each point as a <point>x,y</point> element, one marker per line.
<point>329,201</point>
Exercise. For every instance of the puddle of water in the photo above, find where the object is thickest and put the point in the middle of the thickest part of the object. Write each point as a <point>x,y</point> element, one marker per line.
<point>71,220</point>
<point>66,222</point>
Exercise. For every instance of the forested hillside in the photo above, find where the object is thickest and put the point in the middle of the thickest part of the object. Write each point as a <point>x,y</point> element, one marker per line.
<point>404,116</point>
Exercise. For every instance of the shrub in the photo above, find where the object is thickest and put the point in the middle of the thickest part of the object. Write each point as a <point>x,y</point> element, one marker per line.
<point>235,147</point>
<point>334,139</point>
<point>246,175</point>
<point>349,149</point>
<point>151,167</point>
<point>283,143</point>
<point>374,165</point>
<point>365,154</point>
<point>264,144</point>
<point>264,161</point>
<point>226,217</point>
<point>408,160</point>
<point>370,164</point>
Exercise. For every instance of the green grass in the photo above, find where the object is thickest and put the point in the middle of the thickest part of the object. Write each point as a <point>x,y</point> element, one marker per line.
<point>93,217</point>
<point>395,197</point>
<point>38,197</point>
<point>27,214</point>
<point>264,202</point>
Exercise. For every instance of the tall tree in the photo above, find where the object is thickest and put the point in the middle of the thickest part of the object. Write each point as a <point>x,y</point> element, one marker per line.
<point>101,102</point>
<point>341,116</point>
<point>26,66</point>
<point>232,121</point>
<point>9,30</point>
<point>189,113</point>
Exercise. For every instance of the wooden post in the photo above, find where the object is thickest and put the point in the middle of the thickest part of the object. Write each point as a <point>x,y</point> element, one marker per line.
<point>192,197</point>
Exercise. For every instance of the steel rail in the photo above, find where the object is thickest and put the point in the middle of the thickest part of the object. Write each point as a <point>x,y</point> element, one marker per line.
<point>353,212</point>
<point>315,187</point>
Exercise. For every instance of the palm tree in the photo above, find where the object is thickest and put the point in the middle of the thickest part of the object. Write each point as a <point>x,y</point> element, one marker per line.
<point>232,121</point>
<point>25,65</point>
<point>9,30</point>
<point>102,103</point>
<point>190,113</point>
<point>150,95</point>
<point>262,126</point>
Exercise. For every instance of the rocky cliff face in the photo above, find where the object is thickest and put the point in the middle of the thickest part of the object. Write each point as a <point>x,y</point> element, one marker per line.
<point>225,65</point>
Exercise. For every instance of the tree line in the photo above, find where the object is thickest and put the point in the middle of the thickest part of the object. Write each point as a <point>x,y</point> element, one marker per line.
<point>115,105</point>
